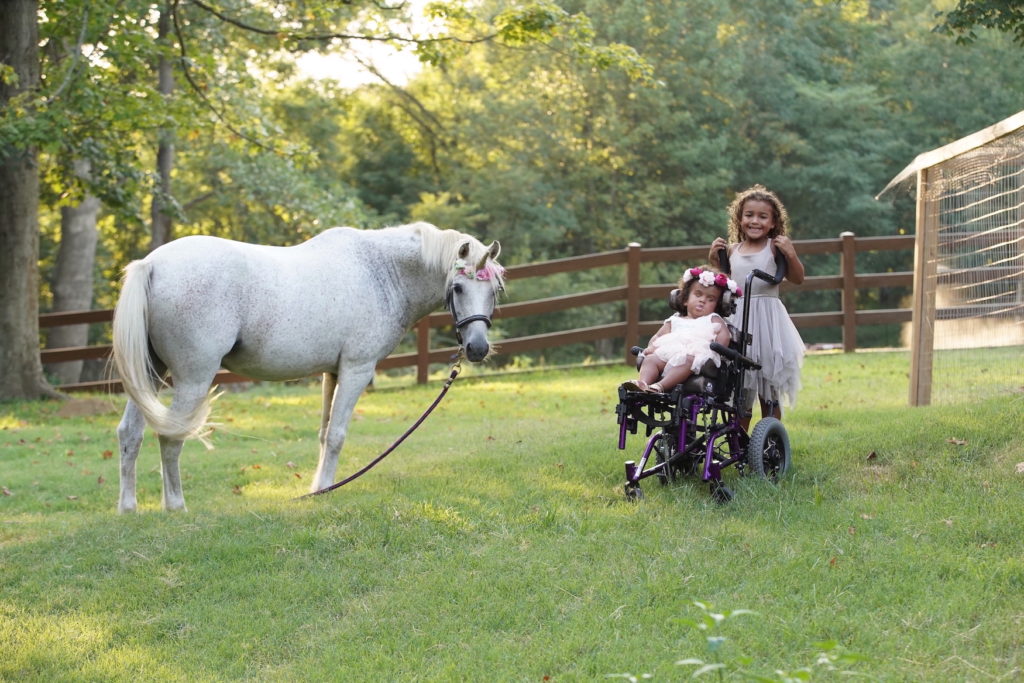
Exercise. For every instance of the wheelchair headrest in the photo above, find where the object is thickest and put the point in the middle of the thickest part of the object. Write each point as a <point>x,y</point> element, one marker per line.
<point>673,301</point>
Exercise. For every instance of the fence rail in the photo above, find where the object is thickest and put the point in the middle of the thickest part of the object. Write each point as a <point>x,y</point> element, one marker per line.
<point>632,292</point>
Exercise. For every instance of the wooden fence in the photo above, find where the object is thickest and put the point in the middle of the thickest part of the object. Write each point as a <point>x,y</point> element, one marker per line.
<point>631,259</point>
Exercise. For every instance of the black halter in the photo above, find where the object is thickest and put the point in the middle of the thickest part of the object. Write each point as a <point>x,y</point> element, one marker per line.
<point>449,302</point>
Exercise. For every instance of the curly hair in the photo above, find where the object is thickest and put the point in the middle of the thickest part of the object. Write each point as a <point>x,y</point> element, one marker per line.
<point>763,194</point>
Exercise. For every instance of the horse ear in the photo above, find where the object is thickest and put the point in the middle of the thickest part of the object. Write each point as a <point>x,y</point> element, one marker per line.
<point>494,249</point>
<point>464,250</point>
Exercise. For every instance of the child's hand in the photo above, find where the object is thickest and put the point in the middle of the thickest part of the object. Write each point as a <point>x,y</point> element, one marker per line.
<point>717,245</point>
<point>794,269</point>
<point>785,245</point>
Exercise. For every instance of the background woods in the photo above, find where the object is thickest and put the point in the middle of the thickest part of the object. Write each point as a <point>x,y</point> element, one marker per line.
<point>559,129</point>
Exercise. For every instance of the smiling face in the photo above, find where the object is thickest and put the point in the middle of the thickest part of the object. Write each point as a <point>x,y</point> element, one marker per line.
<point>757,220</point>
<point>702,300</point>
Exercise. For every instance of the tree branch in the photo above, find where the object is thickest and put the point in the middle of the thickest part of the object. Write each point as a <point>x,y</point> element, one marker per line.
<point>75,56</point>
<point>183,51</point>
<point>326,37</point>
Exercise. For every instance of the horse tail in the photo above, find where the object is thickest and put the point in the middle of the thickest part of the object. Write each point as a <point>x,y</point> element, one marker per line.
<point>134,362</point>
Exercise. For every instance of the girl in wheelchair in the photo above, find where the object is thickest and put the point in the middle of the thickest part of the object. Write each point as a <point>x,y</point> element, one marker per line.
<point>681,347</point>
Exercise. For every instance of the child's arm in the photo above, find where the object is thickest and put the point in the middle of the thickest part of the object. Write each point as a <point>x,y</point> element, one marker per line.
<point>723,337</point>
<point>794,268</point>
<point>717,245</point>
<point>661,330</point>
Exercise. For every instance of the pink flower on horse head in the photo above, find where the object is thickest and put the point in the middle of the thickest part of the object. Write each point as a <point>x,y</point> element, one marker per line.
<point>490,272</point>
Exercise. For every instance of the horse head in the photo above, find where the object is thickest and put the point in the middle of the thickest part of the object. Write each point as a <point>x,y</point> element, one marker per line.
<point>471,296</point>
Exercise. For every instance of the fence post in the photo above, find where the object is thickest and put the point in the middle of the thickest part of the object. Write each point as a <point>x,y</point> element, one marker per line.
<point>422,350</point>
<point>632,298</point>
<point>848,268</point>
<point>922,325</point>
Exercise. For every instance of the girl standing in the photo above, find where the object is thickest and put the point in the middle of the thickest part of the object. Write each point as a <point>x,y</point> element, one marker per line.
<point>758,227</point>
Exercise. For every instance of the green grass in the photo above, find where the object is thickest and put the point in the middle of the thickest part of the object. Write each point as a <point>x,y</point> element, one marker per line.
<point>496,544</point>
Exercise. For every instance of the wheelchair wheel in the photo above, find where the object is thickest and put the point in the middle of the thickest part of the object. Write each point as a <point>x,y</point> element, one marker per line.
<point>720,493</point>
<point>768,451</point>
<point>665,450</point>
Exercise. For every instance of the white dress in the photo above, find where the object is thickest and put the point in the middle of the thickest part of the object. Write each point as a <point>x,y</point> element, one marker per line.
<point>776,343</point>
<point>689,337</point>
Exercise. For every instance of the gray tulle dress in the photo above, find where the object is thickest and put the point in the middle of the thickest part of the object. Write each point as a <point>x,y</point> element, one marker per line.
<point>776,344</point>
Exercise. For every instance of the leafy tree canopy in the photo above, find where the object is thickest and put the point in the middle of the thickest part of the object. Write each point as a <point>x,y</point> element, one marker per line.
<point>1002,15</point>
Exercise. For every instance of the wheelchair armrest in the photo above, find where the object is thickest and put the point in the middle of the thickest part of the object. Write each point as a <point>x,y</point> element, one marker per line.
<point>734,355</point>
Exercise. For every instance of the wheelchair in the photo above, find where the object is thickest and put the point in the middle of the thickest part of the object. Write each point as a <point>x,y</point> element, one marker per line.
<point>695,428</point>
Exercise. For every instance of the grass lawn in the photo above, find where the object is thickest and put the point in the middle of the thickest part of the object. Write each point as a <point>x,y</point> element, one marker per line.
<point>496,544</point>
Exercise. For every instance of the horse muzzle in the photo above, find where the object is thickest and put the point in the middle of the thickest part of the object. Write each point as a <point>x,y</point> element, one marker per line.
<point>473,338</point>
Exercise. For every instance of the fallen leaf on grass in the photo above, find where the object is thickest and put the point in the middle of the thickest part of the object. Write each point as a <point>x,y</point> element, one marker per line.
<point>872,455</point>
<point>100,480</point>
<point>237,490</point>
<point>6,491</point>
<point>866,516</point>
<point>108,454</point>
<point>290,465</point>
<point>956,442</point>
<point>1020,468</point>
<point>72,497</point>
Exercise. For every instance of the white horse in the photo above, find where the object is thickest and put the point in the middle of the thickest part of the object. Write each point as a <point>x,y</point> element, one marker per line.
<point>335,304</point>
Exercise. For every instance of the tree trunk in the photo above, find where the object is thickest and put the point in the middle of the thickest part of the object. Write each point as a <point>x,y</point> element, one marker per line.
<point>73,277</point>
<point>160,210</point>
<point>21,372</point>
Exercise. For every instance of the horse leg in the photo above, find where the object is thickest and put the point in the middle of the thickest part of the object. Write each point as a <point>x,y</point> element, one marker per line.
<point>186,398</point>
<point>350,385</point>
<point>330,383</point>
<point>129,438</point>
<point>170,450</point>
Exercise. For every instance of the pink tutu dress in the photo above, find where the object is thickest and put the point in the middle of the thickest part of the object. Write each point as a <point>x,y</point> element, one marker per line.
<point>689,337</point>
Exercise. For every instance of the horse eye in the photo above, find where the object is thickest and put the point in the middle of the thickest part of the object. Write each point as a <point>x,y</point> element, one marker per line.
<point>457,288</point>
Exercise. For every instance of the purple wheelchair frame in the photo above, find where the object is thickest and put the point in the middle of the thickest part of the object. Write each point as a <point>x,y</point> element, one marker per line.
<point>686,444</point>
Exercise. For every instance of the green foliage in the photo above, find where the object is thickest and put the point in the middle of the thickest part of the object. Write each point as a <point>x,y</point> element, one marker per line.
<point>558,128</point>
<point>1001,15</point>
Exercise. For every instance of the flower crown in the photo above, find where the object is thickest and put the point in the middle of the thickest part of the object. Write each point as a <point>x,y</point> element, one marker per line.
<point>491,271</point>
<point>711,279</point>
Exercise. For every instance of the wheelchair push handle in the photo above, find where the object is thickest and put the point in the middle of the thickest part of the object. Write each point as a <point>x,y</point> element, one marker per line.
<point>723,261</point>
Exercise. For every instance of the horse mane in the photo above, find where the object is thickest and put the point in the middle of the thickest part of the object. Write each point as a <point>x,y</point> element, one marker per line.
<point>440,249</point>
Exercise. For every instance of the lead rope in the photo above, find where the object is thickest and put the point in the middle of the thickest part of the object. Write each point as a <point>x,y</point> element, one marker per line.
<point>456,368</point>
